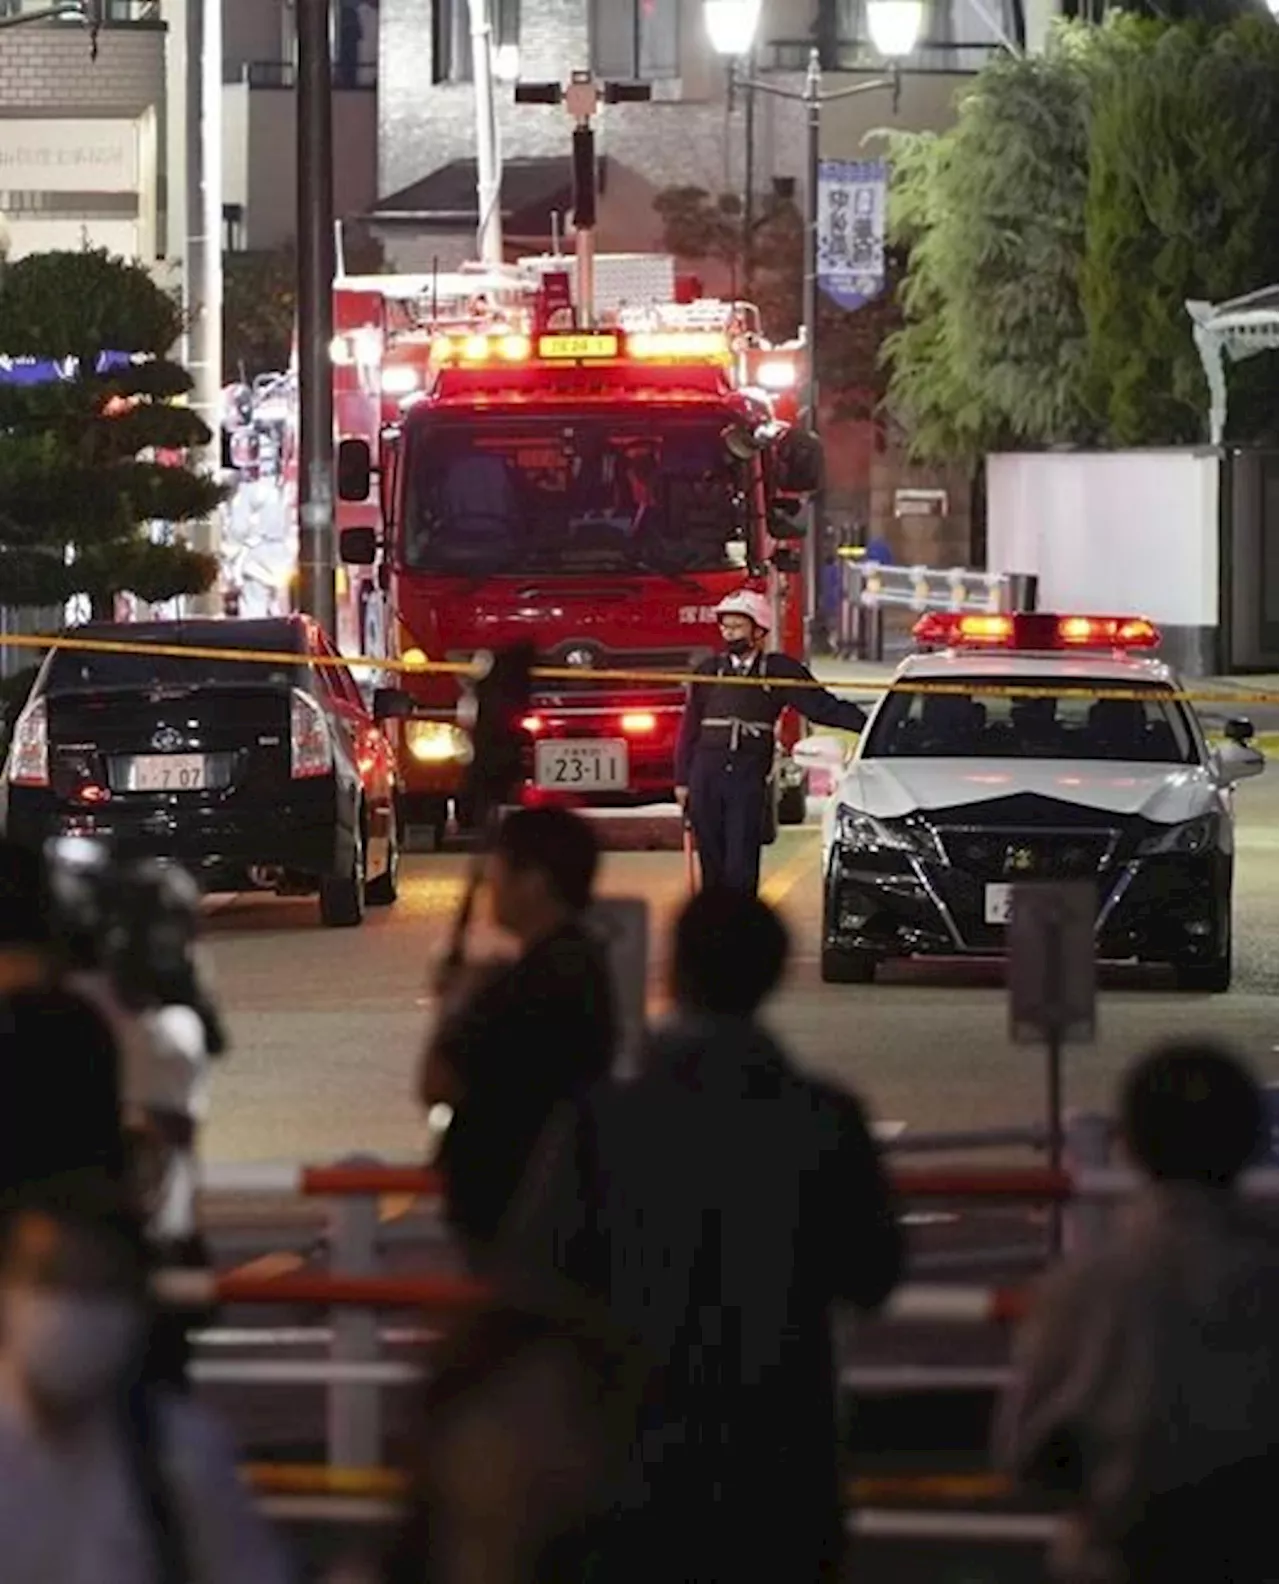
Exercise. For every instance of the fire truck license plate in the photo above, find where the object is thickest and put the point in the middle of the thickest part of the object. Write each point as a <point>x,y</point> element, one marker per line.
<point>578,346</point>
<point>581,766</point>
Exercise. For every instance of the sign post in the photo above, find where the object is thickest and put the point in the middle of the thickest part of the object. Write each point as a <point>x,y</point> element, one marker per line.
<point>1053,988</point>
<point>622,923</point>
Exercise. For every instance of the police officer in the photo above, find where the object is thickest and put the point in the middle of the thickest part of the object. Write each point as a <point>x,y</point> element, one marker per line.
<point>724,758</point>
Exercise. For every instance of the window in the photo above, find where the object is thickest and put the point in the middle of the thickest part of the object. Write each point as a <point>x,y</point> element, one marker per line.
<point>451,36</point>
<point>635,39</point>
<point>656,495</point>
<point>1152,730</point>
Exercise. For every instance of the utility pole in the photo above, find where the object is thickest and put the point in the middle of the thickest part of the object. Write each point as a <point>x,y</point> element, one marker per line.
<point>813,98</point>
<point>202,272</point>
<point>317,594</point>
<point>488,170</point>
<point>582,99</point>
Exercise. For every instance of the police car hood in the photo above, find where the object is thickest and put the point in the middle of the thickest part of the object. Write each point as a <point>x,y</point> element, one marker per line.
<point>894,788</point>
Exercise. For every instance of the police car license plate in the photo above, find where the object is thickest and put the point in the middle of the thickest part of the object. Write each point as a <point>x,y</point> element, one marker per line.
<point>999,904</point>
<point>581,766</point>
<point>168,773</point>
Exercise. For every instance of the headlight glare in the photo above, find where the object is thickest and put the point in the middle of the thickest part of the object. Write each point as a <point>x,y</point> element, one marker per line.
<point>437,742</point>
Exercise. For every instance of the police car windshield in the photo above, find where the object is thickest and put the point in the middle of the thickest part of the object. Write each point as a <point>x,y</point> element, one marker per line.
<point>1148,726</point>
<point>647,494</point>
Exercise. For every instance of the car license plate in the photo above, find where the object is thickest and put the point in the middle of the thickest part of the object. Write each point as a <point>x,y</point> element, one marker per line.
<point>999,904</point>
<point>581,766</point>
<point>168,773</point>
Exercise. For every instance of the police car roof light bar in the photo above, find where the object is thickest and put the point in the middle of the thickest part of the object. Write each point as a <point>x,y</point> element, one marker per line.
<point>1034,631</point>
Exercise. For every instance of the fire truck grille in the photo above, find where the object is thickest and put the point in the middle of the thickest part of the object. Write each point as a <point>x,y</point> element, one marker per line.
<point>589,657</point>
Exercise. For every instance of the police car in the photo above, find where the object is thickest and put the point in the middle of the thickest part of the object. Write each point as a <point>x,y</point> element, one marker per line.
<point>1031,748</point>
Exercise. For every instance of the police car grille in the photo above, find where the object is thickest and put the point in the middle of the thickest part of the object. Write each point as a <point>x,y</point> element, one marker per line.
<point>1011,855</point>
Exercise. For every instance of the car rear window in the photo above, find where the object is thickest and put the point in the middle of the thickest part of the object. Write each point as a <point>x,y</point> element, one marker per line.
<point>72,670</point>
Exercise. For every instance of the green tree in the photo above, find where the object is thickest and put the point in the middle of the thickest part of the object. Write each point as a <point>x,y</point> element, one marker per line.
<point>991,214</point>
<point>1181,204</point>
<point>699,225</point>
<point>260,292</point>
<point>1056,231</point>
<point>259,301</point>
<point>81,480</point>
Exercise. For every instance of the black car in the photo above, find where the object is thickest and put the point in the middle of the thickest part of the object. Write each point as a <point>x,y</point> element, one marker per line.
<point>269,775</point>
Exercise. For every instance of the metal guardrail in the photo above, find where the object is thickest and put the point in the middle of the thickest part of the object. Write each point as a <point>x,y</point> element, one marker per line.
<point>356,1292</point>
<point>869,588</point>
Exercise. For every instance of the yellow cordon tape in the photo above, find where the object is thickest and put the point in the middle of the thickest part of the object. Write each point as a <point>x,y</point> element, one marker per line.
<point>315,1479</point>
<point>578,674</point>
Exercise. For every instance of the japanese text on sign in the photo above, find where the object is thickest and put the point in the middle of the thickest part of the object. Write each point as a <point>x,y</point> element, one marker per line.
<point>851,214</point>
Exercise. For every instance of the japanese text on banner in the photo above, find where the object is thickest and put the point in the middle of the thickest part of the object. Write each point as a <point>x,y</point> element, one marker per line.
<point>851,214</point>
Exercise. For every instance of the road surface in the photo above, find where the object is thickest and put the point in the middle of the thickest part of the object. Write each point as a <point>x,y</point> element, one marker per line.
<point>327,1024</point>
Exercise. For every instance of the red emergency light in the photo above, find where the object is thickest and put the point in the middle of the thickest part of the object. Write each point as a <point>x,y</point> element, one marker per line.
<point>1033,631</point>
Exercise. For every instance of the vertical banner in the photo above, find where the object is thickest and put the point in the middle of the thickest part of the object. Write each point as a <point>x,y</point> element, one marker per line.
<point>851,216</point>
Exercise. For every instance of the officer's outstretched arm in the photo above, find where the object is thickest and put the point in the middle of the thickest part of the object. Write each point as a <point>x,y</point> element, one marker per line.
<point>817,704</point>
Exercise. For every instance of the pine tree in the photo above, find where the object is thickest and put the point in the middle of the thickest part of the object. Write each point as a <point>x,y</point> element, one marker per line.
<point>81,477</point>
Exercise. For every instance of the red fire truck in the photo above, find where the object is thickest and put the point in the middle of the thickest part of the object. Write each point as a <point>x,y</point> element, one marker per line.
<point>595,490</point>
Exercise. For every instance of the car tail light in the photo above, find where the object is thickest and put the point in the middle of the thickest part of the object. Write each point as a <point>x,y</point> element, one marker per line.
<point>639,723</point>
<point>533,724</point>
<point>310,744</point>
<point>29,751</point>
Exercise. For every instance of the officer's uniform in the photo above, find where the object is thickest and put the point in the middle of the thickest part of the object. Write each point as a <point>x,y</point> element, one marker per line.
<point>725,756</point>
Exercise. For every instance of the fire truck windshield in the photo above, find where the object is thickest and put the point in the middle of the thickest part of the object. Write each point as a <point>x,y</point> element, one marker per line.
<point>495,494</point>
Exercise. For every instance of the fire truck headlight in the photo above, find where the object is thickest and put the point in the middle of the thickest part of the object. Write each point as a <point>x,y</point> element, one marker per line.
<point>437,742</point>
<point>777,374</point>
<point>399,380</point>
<point>340,350</point>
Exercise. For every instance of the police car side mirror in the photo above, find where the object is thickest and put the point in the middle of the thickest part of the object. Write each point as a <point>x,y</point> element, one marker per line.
<point>819,753</point>
<point>1238,730</point>
<point>1238,761</point>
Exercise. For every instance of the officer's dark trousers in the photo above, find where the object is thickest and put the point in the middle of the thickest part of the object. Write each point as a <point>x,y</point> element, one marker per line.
<point>726,808</point>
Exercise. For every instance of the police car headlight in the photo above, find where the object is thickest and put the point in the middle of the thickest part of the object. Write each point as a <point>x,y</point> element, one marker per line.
<point>1192,837</point>
<point>862,833</point>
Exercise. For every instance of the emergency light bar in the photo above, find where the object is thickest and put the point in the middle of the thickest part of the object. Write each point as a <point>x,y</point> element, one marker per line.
<point>642,346</point>
<point>1034,631</point>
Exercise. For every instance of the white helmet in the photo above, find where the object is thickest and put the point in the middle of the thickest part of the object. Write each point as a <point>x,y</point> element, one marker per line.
<point>747,602</point>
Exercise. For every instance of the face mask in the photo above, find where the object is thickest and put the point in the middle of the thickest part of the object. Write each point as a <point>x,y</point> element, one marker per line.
<point>739,647</point>
<point>71,1350</point>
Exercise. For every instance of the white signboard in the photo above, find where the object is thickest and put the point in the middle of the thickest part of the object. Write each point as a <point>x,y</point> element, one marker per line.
<point>41,234</point>
<point>88,156</point>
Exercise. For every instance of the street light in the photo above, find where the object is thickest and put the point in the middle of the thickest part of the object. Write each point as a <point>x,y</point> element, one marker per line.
<point>506,63</point>
<point>895,26</point>
<point>731,25</point>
